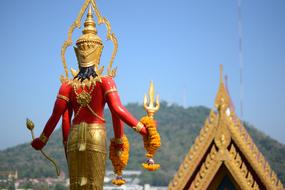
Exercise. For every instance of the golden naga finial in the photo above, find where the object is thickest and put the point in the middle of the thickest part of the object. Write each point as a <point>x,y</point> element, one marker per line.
<point>150,108</point>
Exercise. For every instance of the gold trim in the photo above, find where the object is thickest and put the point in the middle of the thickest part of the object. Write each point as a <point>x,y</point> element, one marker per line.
<point>110,91</point>
<point>87,54</point>
<point>83,99</point>
<point>76,24</point>
<point>79,134</point>
<point>222,128</point>
<point>110,36</point>
<point>207,172</point>
<point>68,42</point>
<point>195,154</point>
<point>254,156</point>
<point>43,138</point>
<point>78,111</point>
<point>74,72</point>
<point>138,127</point>
<point>234,164</point>
<point>239,171</point>
<point>117,140</point>
<point>87,82</point>
<point>87,64</point>
<point>63,97</point>
<point>90,126</point>
<point>94,113</point>
<point>86,155</point>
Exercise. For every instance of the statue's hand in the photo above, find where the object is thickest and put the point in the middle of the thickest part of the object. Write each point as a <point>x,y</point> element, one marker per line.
<point>144,132</point>
<point>152,140</point>
<point>119,147</point>
<point>38,144</point>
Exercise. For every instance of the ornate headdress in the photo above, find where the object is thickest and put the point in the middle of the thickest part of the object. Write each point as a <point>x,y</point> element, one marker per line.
<point>89,44</point>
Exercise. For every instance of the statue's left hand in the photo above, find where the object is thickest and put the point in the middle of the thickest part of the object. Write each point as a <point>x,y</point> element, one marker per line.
<point>119,147</point>
<point>37,144</point>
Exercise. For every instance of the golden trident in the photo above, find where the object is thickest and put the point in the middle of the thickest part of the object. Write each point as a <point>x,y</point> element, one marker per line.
<point>152,142</point>
<point>150,108</point>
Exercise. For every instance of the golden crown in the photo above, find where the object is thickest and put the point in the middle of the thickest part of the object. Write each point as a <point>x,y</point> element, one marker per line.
<point>89,44</point>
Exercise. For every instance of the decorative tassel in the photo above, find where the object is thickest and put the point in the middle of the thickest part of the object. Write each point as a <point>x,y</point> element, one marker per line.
<point>150,165</point>
<point>119,181</point>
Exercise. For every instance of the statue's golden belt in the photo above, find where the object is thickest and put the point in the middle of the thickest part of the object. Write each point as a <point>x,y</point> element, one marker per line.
<point>87,137</point>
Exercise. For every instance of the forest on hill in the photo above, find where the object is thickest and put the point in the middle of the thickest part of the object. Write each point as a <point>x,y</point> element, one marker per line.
<point>178,127</point>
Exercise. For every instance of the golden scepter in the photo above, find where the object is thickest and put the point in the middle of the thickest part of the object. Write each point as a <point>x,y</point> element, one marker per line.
<point>30,125</point>
<point>152,141</point>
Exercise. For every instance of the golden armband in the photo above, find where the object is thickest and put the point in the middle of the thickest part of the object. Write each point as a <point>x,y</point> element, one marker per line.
<point>43,138</point>
<point>138,127</point>
<point>110,91</point>
<point>63,97</point>
<point>117,140</point>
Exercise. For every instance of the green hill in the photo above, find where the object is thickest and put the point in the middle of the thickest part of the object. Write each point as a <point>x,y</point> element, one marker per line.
<point>178,127</point>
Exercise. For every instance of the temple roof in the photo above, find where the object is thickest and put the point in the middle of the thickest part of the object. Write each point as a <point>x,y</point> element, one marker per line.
<point>224,142</point>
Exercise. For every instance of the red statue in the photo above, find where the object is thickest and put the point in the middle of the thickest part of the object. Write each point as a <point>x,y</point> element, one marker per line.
<point>84,136</point>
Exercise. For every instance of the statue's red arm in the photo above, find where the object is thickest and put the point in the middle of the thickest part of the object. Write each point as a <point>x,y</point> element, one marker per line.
<point>60,106</point>
<point>117,109</point>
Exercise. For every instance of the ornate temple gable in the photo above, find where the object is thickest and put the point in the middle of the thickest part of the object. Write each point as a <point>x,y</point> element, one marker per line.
<point>224,142</point>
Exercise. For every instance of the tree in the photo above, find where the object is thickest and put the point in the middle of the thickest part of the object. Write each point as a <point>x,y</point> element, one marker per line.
<point>60,187</point>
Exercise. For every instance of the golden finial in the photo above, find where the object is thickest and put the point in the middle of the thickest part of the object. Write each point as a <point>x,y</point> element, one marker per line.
<point>30,125</point>
<point>89,45</point>
<point>221,73</point>
<point>222,98</point>
<point>149,107</point>
<point>89,24</point>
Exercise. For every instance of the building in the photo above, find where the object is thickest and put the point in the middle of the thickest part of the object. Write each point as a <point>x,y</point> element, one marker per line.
<point>224,156</point>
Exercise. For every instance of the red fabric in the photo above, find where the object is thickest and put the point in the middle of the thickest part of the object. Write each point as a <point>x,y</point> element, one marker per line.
<point>65,109</point>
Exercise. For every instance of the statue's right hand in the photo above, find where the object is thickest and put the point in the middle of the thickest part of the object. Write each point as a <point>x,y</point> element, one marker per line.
<point>37,144</point>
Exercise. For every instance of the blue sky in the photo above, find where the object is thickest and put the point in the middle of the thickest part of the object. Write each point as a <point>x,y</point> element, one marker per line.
<point>177,44</point>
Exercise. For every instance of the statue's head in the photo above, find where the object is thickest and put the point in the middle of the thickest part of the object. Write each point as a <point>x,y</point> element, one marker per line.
<point>89,45</point>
